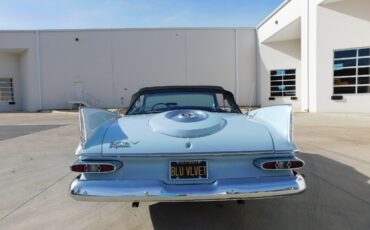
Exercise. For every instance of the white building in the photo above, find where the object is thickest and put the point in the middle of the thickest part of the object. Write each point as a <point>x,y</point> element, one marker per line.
<point>314,54</point>
<point>327,43</point>
<point>50,68</point>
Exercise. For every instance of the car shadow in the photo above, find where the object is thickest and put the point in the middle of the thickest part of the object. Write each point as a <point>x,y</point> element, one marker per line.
<point>337,197</point>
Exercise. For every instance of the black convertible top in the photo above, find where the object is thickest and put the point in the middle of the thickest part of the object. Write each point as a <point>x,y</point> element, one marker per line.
<point>182,88</point>
<point>173,88</point>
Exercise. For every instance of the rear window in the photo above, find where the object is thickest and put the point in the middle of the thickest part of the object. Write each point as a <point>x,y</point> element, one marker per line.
<point>180,100</point>
<point>165,101</point>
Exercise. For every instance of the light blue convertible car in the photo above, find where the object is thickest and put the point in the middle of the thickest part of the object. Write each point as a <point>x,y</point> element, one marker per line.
<point>186,143</point>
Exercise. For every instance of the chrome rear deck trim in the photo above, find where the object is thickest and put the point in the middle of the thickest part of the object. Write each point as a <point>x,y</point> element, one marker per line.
<point>205,154</point>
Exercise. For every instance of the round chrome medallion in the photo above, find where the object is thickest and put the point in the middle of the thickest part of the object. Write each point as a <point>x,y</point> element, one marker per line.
<point>187,115</point>
<point>187,123</point>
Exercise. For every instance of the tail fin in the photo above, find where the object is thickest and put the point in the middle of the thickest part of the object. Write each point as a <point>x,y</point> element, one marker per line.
<point>91,119</point>
<point>279,121</point>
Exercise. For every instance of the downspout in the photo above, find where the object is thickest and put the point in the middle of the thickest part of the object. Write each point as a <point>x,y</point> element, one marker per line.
<point>308,56</point>
<point>186,56</point>
<point>236,66</point>
<point>39,69</point>
<point>258,71</point>
<point>116,100</point>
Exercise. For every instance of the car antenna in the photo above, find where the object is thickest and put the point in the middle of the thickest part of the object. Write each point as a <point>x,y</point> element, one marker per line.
<point>119,108</point>
<point>250,100</point>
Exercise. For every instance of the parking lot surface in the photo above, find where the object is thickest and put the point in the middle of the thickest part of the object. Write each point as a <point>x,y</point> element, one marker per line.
<point>36,150</point>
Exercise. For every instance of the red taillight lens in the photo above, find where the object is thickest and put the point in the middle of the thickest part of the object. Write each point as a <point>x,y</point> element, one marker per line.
<point>78,168</point>
<point>93,168</point>
<point>106,168</point>
<point>294,164</point>
<point>269,165</point>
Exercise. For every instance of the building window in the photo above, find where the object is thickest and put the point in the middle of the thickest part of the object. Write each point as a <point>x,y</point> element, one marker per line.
<point>6,89</point>
<point>283,83</point>
<point>352,71</point>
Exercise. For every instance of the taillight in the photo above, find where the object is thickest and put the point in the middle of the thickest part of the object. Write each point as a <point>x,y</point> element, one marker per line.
<point>281,164</point>
<point>296,164</point>
<point>269,165</point>
<point>93,167</point>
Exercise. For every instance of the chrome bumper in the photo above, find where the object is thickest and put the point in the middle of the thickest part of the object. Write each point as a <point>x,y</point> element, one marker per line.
<point>246,188</point>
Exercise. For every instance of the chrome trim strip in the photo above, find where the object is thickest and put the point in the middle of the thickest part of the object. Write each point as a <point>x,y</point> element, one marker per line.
<point>226,189</point>
<point>200,154</point>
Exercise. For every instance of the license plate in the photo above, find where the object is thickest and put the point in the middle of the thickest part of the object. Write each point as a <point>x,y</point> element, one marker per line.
<point>196,169</point>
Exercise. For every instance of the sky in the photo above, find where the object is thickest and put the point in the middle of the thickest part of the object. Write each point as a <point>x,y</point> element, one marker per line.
<point>79,14</point>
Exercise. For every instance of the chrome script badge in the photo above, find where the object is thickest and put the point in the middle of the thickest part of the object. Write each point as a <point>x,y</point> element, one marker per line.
<point>122,144</point>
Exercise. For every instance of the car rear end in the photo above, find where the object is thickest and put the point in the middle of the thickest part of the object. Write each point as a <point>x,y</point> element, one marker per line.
<point>221,176</point>
<point>227,157</point>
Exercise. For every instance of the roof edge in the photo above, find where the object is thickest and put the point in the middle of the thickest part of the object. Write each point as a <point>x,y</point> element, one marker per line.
<point>126,29</point>
<point>273,13</point>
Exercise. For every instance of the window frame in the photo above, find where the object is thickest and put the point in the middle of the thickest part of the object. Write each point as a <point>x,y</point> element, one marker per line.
<point>3,80</point>
<point>283,79</point>
<point>356,76</point>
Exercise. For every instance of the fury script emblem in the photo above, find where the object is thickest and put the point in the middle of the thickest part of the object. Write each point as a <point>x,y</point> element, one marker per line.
<point>122,144</point>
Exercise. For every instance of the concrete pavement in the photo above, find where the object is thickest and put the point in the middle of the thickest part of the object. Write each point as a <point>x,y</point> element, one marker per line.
<point>35,178</point>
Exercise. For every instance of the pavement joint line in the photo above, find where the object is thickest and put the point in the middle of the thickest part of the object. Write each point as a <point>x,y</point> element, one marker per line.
<point>33,197</point>
<point>340,188</point>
